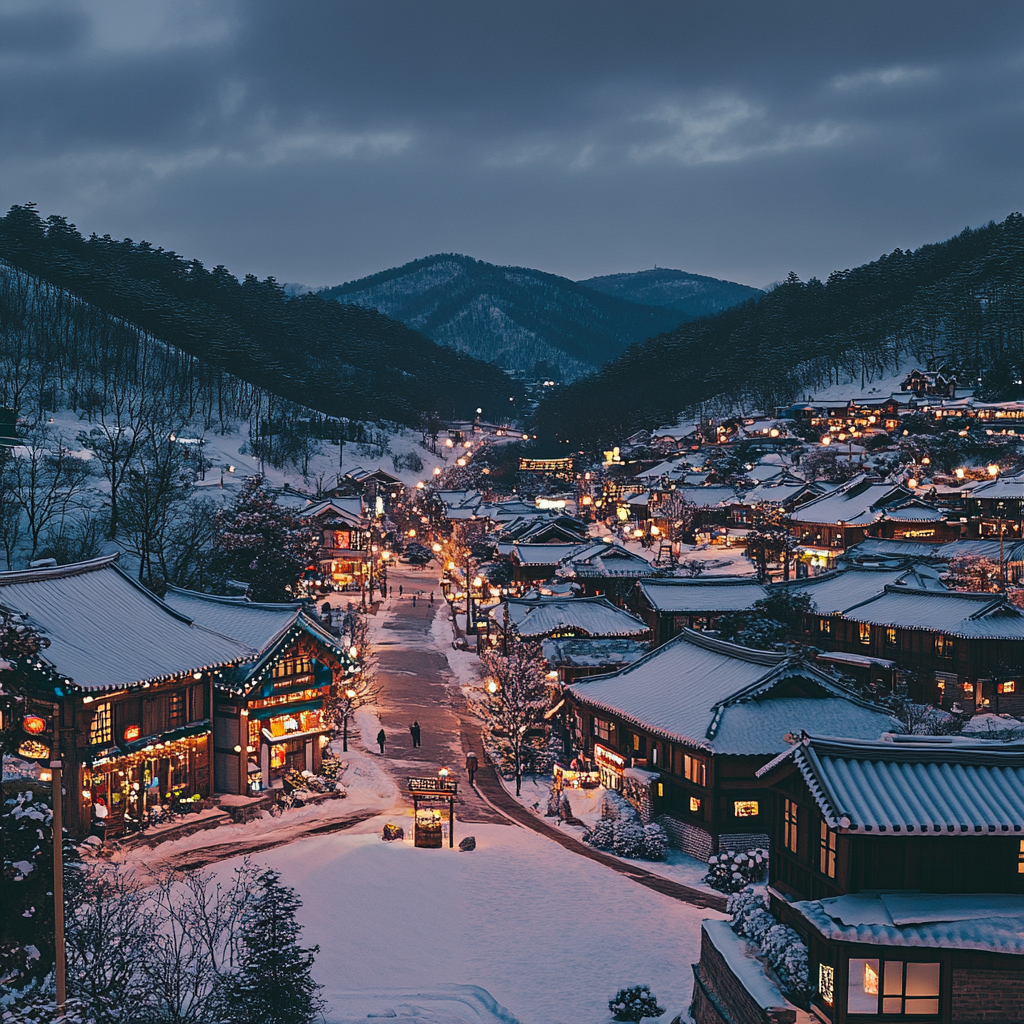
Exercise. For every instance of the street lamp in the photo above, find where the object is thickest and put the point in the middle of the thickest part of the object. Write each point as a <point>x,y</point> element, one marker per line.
<point>350,695</point>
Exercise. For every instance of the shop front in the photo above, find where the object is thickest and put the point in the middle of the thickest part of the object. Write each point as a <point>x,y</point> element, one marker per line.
<point>610,767</point>
<point>286,741</point>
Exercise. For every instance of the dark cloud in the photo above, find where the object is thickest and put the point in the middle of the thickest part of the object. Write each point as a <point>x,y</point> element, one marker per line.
<point>319,141</point>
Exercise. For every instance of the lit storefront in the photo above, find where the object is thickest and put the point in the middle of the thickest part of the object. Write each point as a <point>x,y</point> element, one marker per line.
<point>610,767</point>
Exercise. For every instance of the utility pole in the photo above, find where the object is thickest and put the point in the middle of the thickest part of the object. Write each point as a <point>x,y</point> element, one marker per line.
<point>60,964</point>
<point>469,599</point>
<point>504,627</point>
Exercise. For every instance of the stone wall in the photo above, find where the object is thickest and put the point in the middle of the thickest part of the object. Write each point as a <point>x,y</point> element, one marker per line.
<point>691,839</point>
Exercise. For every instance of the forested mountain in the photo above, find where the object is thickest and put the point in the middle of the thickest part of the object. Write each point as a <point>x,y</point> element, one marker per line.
<point>513,316</point>
<point>957,302</point>
<point>343,360</point>
<point>690,294</point>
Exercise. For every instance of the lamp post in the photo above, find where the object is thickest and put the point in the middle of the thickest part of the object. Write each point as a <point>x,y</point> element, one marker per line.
<point>60,957</point>
<point>349,697</point>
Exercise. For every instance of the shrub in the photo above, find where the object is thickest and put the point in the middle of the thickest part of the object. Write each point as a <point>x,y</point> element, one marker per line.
<point>780,945</point>
<point>733,870</point>
<point>655,842</point>
<point>601,835</point>
<point>634,1003</point>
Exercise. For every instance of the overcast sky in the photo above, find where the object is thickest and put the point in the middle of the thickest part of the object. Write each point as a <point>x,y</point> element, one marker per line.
<point>321,141</point>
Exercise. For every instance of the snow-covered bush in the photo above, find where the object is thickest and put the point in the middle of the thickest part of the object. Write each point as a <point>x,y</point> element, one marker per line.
<point>780,945</point>
<point>634,1003</point>
<point>332,766</point>
<point>617,808</point>
<point>731,870</point>
<point>628,838</point>
<point>43,1010</point>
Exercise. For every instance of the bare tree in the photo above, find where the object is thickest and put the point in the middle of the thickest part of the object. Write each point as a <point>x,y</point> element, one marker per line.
<point>517,698</point>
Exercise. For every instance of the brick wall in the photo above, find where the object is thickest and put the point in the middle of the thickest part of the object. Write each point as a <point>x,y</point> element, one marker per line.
<point>691,839</point>
<point>987,997</point>
<point>719,996</point>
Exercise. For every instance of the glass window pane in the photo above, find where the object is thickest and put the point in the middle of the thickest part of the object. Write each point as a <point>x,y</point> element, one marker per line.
<point>922,980</point>
<point>892,1004</point>
<point>862,995</point>
<point>893,978</point>
<point>919,1006</point>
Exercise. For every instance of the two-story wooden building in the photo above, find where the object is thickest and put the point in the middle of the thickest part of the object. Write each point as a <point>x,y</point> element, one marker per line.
<point>128,708</point>
<point>997,508</point>
<point>345,544</point>
<point>901,865</point>
<point>671,604</point>
<point>704,715</point>
<point>268,711</point>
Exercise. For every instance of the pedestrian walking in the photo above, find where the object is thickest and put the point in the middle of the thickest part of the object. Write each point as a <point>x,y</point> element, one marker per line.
<point>431,597</point>
<point>472,763</point>
<point>414,600</point>
<point>381,740</point>
<point>401,590</point>
<point>391,591</point>
<point>414,731</point>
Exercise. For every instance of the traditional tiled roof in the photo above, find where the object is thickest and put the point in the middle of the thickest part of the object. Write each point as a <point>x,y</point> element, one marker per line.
<point>715,594</point>
<point>349,510</point>
<point>859,502</point>
<point>254,624</point>
<point>586,652</point>
<point>542,554</point>
<point>954,613</point>
<point>874,547</point>
<point>721,697</point>
<point>1006,487</point>
<point>107,631</point>
<point>594,616</point>
<point>912,785</point>
<point>993,922</point>
<point>709,496</point>
<point>913,512</point>
<point>835,591</point>
<point>600,559</point>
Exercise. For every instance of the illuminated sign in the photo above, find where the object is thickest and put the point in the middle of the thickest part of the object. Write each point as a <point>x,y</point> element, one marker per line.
<point>33,724</point>
<point>745,808</point>
<point>34,749</point>
<point>132,732</point>
<point>608,758</point>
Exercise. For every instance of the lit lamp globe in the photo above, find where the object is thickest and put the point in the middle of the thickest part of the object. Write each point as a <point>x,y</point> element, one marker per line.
<point>350,694</point>
<point>492,686</point>
<point>435,547</point>
<point>443,774</point>
<point>437,471</point>
<point>353,652</point>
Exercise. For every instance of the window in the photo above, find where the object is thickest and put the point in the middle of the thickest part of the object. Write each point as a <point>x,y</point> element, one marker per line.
<point>943,646</point>
<point>890,636</point>
<point>1020,858</point>
<point>175,710</point>
<point>695,809</point>
<point>827,851</point>
<point>1008,687</point>
<point>826,984</point>
<point>864,630</point>
<point>638,743</point>
<point>602,729</point>
<point>789,826</point>
<point>695,770</point>
<point>825,626</point>
<point>894,987</point>
<point>745,809</point>
<point>101,728</point>
<point>654,753</point>
<point>661,789</point>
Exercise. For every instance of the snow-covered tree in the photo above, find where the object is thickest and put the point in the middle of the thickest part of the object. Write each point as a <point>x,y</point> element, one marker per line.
<point>634,1004</point>
<point>263,544</point>
<point>974,572</point>
<point>517,698</point>
<point>274,982</point>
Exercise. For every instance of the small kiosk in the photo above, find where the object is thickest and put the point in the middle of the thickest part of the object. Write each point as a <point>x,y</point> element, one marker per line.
<point>429,797</point>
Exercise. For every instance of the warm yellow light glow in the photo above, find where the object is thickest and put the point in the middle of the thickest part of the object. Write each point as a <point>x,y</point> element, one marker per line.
<point>437,471</point>
<point>435,546</point>
<point>450,565</point>
<point>477,581</point>
<point>911,484</point>
<point>826,441</point>
<point>774,432</point>
<point>385,555</point>
<point>622,514</point>
<point>460,462</point>
<point>350,694</point>
<point>353,652</point>
<point>449,443</point>
<point>420,485</point>
<point>926,461</point>
<point>468,444</point>
<point>655,531</point>
<point>638,533</point>
<point>492,686</point>
<point>959,474</point>
<point>993,470</point>
<point>587,499</point>
<point>412,533</point>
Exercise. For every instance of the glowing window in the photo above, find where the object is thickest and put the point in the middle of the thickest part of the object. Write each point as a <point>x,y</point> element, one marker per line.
<point>1008,687</point>
<point>1020,858</point>
<point>890,637</point>
<point>101,728</point>
<point>695,770</point>
<point>695,809</point>
<point>745,809</point>
<point>789,823</point>
<point>894,987</point>
<point>864,630</point>
<point>824,625</point>
<point>827,851</point>
<point>826,984</point>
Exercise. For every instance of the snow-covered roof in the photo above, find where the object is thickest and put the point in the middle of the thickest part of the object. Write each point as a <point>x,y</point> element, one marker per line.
<point>107,631</point>
<point>716,594</point>
<point>348,509</point>
<point>709,496</point>
<point>587,652</point>
<point>914,511</point>
<point>594,616</point>
<point>988,921</point>
<point>542,554</point>
<point>914,785</point>
<point>872,547</point>
<point>255,624</point>
<point>955,613</point>
<point>728,699</point>
<point>835,591</point>
<point>858,502</point>
<point>1006,487</point>
<point>776,493</point>
<point>600,559</point>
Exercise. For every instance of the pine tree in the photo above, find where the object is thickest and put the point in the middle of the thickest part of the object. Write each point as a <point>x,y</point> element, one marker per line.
<point>274,983</point>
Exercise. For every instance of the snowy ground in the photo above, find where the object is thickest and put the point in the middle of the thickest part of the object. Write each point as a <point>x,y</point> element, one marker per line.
<point>586,806</point>
<point>548,935</point>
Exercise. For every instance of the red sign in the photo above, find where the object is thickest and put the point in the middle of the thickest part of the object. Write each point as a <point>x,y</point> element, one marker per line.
<point>608,758</point>
<point>33,724</point>
<point>132,732</point>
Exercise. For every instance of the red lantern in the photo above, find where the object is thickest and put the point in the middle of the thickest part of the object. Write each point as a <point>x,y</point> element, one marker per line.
<point>34,724</point>
<point>132,732</point>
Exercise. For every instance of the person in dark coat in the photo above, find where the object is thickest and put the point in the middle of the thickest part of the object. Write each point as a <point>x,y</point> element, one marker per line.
<point>401,590</point>
<point>381,739</point>
<point>414,600</point>
<point>414,731</point>
<point>472,763</point>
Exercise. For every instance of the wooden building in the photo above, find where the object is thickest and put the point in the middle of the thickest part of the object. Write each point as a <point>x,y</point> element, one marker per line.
<point>129,707</point>
<point>901,865</point>
<point>269,711</point>
<point>997,508</point>
<point>344,551</point>
<point>671,604</point>
<point>703,716</point>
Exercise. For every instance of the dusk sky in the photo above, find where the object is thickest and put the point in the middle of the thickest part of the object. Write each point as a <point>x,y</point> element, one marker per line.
<point>322,141</point>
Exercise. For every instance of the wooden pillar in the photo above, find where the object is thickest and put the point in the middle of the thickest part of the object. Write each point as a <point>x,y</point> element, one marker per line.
<point>265,762</point>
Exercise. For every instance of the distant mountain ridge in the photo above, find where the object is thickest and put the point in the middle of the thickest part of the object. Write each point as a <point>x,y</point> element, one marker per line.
<point>518,317</point>
<point>691,294</point>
